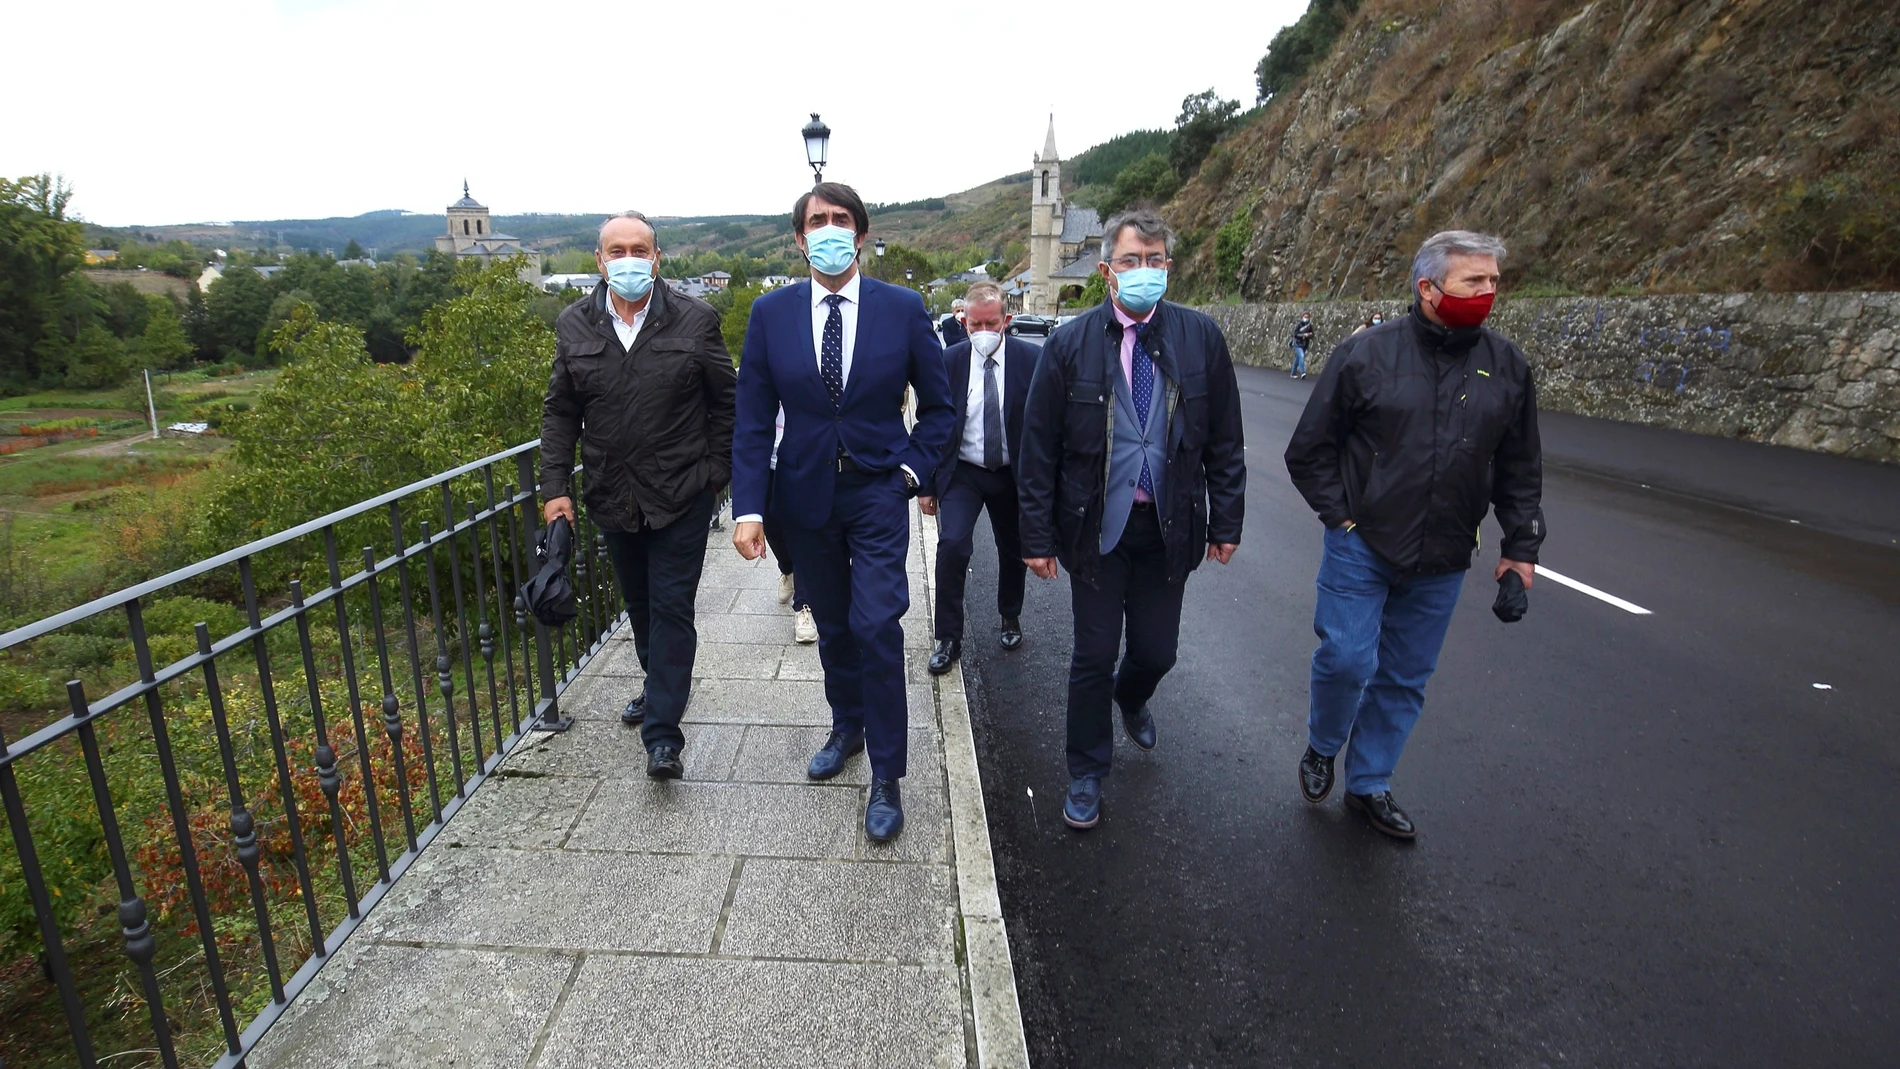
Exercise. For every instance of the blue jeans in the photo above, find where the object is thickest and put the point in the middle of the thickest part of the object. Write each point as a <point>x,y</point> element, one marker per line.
<point>1379,637</point>
<point>1299,360</point>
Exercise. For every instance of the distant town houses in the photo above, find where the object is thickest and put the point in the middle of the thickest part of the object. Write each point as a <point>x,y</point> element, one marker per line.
<point>95,257</point>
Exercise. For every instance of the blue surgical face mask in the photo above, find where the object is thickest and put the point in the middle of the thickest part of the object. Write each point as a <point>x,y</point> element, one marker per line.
<point>831,249</point>
<point>630,276</point>
<point>1140,288</point>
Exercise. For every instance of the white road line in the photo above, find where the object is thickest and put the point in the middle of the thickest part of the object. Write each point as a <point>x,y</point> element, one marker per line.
<point>1626,606</point>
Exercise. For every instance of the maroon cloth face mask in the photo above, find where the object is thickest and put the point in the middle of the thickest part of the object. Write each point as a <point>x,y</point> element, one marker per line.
<point>1460,312</point>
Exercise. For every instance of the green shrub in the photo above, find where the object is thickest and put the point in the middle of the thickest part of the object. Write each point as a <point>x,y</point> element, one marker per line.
<point>24,690</point>
<point>177,617</point>
<point>77,652</point>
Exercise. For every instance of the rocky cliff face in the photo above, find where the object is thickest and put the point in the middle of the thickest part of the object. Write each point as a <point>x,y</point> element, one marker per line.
<point>1617,146</point>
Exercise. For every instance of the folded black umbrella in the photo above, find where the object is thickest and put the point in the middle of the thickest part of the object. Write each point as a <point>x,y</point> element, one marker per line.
<point>1513,600</point>
<point>550,596</point>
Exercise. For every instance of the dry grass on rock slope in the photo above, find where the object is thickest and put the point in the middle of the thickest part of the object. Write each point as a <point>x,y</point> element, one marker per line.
<point>1617,145</point>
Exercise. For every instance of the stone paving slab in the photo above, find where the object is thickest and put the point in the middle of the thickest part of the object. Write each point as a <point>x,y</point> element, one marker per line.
<point>576,914</point>
<point>667,1013</point>
<point>397,1007</point>
<point>666,903</point>
<point>827,910</point>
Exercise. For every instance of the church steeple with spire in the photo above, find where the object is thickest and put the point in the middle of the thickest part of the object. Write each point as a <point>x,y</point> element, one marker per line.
<point>1045,224</point>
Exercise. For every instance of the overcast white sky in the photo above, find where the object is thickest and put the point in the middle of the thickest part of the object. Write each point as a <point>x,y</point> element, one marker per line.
<point>234,109</point>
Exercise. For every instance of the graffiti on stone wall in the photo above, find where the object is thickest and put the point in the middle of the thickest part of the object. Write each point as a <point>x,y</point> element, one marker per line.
<point>1665,354</point>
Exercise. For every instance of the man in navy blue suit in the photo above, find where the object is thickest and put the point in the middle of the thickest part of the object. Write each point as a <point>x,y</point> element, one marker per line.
<point>838,353</point>
<point>989,376</point>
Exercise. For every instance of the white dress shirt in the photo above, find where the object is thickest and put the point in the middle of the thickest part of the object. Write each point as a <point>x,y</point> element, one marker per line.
<point>848,311</point>
<point>628,329</point>
<point>972,448</point>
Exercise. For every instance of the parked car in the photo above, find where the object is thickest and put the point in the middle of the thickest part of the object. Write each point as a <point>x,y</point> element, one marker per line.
<point>1061,320</point>
<point>1024,323</point>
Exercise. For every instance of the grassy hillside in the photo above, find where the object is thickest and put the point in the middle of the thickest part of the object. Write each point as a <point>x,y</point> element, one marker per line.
<point>1661,145</point>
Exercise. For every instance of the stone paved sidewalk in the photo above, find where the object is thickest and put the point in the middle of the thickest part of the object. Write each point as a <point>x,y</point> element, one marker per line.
<point>576,915</point>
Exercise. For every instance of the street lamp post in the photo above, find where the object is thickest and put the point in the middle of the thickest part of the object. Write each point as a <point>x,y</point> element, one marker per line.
<point>879,246</point>
<point>817,143</point>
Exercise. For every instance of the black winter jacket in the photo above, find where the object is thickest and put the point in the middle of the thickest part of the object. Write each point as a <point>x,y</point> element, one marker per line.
<point>654,424</point>
<point>1062,461</point>
<point>1413,432</point>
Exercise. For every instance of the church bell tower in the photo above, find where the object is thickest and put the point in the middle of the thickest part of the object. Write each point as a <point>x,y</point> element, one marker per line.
<point>1045,225</point>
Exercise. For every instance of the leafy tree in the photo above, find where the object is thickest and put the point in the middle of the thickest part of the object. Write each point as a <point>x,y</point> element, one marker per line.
<point>353,251</point>
<point>1100,165</point>
<point>1094,292</point>
<point>890,266</point>
<point>1301,44</point>
<point>126,309</point>
<point>735,311</point>
<point>235,309</point>
<point>1205,118</point>
<point>40,251</point>
<point>196,325</point>
<point>1150,178</point>
<point>163,344</point>
<point>95,359</point>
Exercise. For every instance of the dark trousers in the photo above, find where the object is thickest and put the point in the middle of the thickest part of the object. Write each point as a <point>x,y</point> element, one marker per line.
<point>1131,584</point>
<point>853,570</point>
<point>782,553</point>
<point>974,488</point>
<point>658,572</point>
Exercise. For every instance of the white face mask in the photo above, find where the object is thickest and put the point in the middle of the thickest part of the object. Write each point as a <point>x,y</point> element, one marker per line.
<point>985,342</point>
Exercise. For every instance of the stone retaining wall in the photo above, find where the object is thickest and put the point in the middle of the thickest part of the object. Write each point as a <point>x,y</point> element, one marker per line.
<point>1819,371</point>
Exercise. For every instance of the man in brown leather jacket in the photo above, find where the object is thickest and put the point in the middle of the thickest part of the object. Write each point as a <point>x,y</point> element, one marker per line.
<point>643,381</point>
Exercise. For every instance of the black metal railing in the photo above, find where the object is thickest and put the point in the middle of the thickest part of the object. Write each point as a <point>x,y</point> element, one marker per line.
<point>284,775</point>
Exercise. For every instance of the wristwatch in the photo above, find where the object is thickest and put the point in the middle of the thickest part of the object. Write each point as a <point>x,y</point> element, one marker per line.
<point>911,486</point>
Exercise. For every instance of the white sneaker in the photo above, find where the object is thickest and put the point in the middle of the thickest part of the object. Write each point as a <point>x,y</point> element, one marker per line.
<point>784,589</point>
<point>804,628</point>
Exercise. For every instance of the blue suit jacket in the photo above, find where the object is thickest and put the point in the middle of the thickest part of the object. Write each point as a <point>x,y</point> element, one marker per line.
<point>894,347</point>
<point>1019,366</point>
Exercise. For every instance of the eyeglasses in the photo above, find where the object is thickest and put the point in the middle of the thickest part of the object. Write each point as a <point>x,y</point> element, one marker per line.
<point>1156,260</point>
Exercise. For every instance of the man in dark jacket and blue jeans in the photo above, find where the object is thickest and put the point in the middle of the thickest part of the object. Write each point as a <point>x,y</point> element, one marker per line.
<point>1130,473</point>
<point>1416,428</point>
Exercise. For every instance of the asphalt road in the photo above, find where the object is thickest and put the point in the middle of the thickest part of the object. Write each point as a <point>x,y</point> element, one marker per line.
<point>1644,840</point>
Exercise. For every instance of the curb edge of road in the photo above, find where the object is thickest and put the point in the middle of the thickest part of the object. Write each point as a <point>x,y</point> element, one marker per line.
<point>998,1016</point>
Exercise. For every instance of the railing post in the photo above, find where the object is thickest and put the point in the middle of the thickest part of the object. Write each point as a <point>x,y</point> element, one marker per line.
<point>548,709</point>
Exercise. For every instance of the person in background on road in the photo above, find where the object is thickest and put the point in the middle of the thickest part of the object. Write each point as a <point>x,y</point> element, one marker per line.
<point>989,381</point>
<point>1372,320</point>
<point>1131,471</point>
<point>804,631</point>
<point>953,329</point>
<point>837,352</point>
<point>1302,340</point>
<point>1413,432</point>
<point>643,381</point>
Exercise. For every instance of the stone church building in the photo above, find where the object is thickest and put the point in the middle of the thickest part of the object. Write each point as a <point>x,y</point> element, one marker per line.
<point>1065,242</point>
<point>472,236</point>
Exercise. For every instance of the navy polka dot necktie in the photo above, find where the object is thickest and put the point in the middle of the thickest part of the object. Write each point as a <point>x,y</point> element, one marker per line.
<point>831,353</point>
<point>1143,387</point>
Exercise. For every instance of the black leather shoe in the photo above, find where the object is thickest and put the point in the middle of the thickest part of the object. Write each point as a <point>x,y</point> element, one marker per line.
<point>945,655</point>
<point>1316,776</point>
<point>1384,813</point>
<point>830,758</point>
<point>1140,725</point>
<point>663,762</point>
<point>884,815</point>
<point>636,710</point>
<point>1012,632</point>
